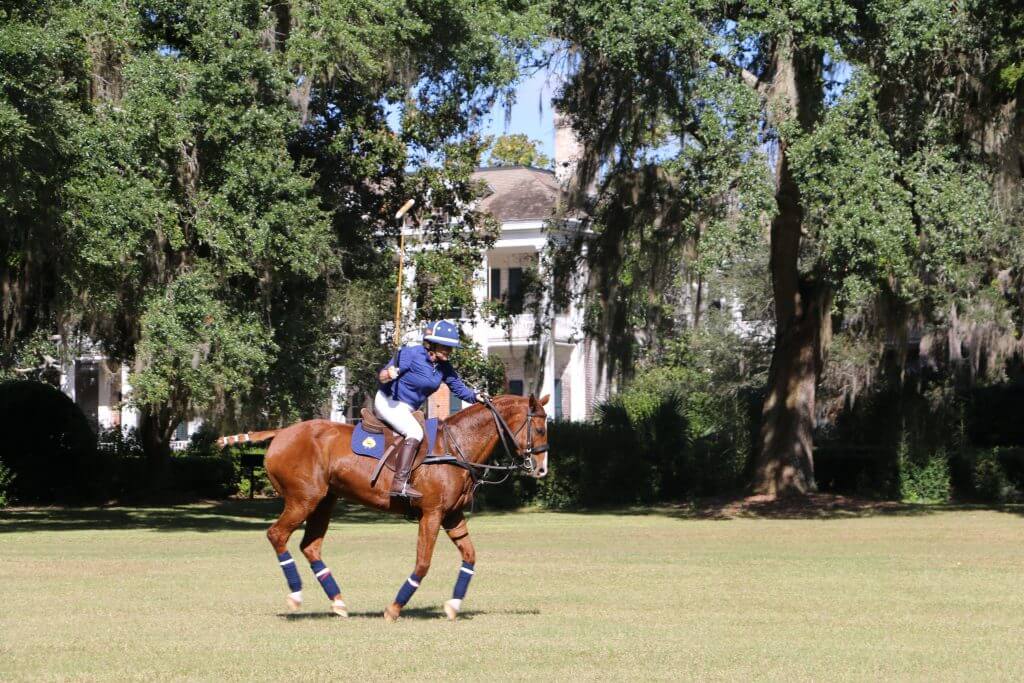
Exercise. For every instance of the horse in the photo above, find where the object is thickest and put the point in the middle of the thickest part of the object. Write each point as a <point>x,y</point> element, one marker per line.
<point>311,464</point>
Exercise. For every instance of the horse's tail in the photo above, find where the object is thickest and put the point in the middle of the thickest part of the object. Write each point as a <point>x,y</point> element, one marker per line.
<point>253,437</point>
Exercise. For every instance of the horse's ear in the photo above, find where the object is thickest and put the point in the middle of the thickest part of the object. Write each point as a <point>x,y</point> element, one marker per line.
<point>544,399</point>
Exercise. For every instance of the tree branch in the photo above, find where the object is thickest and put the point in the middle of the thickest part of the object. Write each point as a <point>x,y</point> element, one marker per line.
<point>750,79</point>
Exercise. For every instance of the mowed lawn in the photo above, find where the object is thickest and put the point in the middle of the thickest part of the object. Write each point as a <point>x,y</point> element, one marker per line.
<point>195,593</point>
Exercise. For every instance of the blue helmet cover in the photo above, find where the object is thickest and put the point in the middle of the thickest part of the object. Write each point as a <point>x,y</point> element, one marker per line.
<point>444,332</point>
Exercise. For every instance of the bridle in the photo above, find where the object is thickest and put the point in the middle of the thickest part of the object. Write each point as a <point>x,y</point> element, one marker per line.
<point>525,461</point>
<point>518,459</point>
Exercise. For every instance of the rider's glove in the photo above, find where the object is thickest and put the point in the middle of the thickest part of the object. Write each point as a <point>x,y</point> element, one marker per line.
<point>392,372</point>
<point>482,397</point>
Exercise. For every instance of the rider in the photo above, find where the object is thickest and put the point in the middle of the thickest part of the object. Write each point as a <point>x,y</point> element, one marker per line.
<point>410,377</point>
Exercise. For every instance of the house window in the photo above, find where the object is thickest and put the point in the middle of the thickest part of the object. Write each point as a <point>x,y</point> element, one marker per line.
<point>495,284</point>
<point>558,399</point>
<point>181,432</point>
<point>515,290</point>
<point>454,403</point>
<point>515,387</point>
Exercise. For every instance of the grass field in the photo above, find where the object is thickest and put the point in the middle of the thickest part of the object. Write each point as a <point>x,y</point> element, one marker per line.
<point>194,592</point>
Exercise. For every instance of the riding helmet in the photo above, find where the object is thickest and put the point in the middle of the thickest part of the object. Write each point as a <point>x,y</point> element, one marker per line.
<point>443,332</point>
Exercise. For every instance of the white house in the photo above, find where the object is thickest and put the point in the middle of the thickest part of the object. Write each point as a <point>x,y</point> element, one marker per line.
<point>100,386</point>
<point>546,356</point>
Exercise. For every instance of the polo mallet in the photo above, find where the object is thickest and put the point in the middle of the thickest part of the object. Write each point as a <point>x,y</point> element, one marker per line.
<point>401,265</point>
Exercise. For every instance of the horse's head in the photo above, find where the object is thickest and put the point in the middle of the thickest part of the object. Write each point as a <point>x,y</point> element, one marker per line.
<point>522,427</point>
<point>533,440</point>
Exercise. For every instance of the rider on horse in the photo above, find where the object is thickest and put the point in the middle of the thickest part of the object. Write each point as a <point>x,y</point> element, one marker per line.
<point>413,374</point>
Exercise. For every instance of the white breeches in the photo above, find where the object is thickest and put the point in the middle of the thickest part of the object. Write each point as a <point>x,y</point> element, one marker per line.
<point>398,415</point>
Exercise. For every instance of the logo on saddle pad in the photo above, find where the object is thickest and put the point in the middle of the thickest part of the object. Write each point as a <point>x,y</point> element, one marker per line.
<point>369,442</point>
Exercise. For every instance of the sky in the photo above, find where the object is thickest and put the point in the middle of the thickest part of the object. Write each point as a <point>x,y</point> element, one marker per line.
<point>531,113</point>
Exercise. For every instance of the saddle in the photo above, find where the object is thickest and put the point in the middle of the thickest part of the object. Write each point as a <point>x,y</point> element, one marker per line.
<point>374,425</point>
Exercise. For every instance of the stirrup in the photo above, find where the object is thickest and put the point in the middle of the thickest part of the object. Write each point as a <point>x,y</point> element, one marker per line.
<point>406,492</point>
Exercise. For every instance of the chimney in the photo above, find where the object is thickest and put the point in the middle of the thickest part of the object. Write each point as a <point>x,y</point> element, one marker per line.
<point>568,150</point>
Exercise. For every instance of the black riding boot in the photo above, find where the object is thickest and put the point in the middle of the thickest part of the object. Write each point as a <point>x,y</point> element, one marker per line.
<point>403,467</point>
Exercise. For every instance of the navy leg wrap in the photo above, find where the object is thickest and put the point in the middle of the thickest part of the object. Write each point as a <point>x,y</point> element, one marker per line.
<point>462,583</point>
<point>323,575</point>
<point>407,589</point>
<point>291,572</point>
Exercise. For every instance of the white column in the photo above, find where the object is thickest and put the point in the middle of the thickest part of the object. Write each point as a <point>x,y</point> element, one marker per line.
<point>129,414</point>
<point>479,330</point>
<point>67,379</point>
<point>104,379</point>
<point>547,339</point>
<point>577,385</point>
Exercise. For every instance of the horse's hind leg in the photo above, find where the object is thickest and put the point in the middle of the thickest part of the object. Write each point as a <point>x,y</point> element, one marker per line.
<point>429,526</point>
<point>312,543</point>
<point>457,529</point>
<point>295,512</point>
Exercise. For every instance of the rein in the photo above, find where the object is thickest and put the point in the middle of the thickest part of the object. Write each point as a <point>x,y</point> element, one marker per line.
<point>479,471</point>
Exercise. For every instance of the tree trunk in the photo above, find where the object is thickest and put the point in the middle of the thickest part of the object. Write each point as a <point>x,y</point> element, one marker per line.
<point>156,426</point>
<point>785,463</point>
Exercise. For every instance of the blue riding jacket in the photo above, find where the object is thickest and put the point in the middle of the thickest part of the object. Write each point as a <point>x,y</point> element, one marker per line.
<point>418,378</point>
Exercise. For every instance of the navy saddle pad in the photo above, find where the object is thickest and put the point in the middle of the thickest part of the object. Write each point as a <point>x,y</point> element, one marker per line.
<point>372,445</point>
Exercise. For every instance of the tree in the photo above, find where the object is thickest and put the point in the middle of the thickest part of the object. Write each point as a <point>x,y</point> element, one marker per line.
<point>43,87</point>
<point>189,215</point>
<point>517,150</point>
<point>205,189</point>
<point>855,218</point>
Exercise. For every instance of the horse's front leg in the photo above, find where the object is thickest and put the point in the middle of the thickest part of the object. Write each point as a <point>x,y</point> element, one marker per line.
<point>458,531</point>
<point>430,523</point>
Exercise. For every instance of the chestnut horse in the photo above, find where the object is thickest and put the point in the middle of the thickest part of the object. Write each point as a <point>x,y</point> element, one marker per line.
<point>311,464</point>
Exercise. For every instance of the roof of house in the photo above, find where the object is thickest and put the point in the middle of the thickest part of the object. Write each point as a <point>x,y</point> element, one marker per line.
<point>516,193</point>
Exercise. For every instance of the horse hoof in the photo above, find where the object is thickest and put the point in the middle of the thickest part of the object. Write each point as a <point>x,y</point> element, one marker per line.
<point>451,609</point>
<point>294,603</point>
<point>391,614</point>
<point>339,608</point>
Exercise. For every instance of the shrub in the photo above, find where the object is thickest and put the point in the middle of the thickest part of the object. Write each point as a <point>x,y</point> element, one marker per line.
<point>205,476</point>
<point>260,479</point>
<point>1012,462</point>
<point>5,481</point>
<point>923,478</point>
<point>989,479</point>
<point>200,471</point>
<point>203,441</point>
<point>993,475</point>
<point>560,489</point>
<point>121,443</point>
<point>638,457</point>
<point>49,449</point>
<point>263,485</point>
<point>856,469</point>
